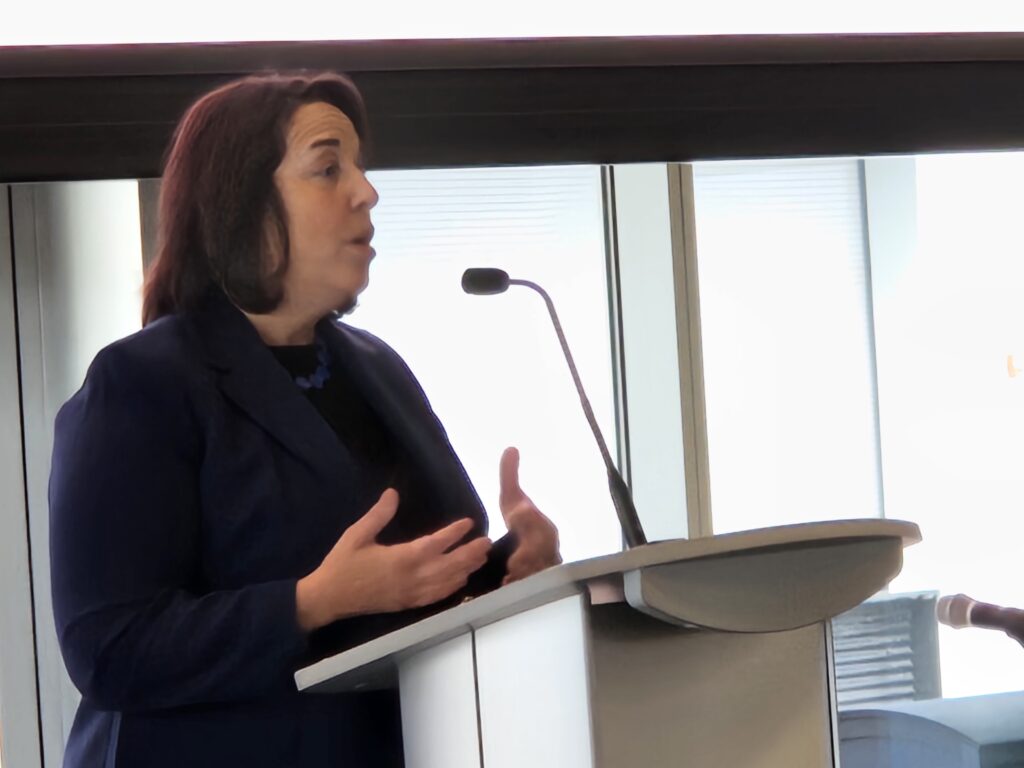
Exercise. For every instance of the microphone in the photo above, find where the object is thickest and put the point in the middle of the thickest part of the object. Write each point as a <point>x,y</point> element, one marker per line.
<point>959,611</point>
<point>489,281</point>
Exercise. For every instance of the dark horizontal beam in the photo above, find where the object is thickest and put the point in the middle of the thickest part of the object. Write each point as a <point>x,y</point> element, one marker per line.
<point>109,112</point>
<point>391,55</point>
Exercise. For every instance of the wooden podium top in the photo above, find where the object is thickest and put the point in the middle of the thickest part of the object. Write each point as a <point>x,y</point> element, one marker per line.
<point>764,580</point>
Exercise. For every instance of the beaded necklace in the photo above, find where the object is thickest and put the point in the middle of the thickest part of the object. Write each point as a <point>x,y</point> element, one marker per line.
<point>319,377</point>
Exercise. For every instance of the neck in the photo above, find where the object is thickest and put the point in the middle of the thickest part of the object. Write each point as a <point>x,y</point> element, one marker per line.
<point>278,329</point>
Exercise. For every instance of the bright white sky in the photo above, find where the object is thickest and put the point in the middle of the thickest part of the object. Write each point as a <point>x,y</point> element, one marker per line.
<point>69,22</point>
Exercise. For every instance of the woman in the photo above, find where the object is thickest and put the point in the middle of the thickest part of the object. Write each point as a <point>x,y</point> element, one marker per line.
<point>247,485</point>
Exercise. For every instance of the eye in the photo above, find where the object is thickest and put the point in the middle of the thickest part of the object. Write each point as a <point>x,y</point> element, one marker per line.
<point>330,171</point>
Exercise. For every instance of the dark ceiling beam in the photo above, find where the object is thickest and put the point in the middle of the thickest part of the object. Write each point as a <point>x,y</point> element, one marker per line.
<point>392,55</point>
<point>108,112</point>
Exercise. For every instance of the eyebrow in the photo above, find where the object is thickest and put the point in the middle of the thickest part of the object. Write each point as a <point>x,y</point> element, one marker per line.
<point>336,143</point>
<point>325,143</point>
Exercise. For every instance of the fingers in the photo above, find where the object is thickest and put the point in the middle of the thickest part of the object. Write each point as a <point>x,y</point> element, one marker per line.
<point>366,529</point>
<point>360,576</point>
<point>526,521</point>
<point>461,561</point>
<point>449,536</point>
<point>508,477</point>
<point>470,556</point>
<point>538,546</point>
<point>521,565</point>
<point>439,576</point>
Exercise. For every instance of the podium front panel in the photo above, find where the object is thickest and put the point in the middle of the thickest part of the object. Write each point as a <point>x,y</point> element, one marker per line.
<point>534,685</point>
<point>439,712</point>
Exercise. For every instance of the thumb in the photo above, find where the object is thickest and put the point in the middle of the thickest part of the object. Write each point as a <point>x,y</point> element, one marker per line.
<point>365,530</point>
<point>508,476</point>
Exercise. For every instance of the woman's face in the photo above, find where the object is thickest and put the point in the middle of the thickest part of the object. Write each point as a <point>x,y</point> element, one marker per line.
<point>327,201</point>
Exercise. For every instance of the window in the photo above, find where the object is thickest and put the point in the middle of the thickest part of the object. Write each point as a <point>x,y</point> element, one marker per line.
<point>788,349</point>
<point>950,324</point>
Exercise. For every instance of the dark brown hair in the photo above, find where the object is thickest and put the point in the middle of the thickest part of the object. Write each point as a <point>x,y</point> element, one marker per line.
<point>221,216</point>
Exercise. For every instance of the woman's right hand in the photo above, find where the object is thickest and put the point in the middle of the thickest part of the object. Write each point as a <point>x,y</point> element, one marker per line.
<point>360,576</point>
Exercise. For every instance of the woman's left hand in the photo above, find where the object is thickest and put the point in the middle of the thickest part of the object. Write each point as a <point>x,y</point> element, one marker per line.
<point>538,538</point>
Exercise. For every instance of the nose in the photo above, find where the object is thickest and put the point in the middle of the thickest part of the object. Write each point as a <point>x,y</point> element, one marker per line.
<point>367,196</point>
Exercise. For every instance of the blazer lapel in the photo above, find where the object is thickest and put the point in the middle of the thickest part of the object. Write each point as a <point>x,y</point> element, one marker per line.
<point>251,377</point>
<point>404,410</point>
<point>364,366</point>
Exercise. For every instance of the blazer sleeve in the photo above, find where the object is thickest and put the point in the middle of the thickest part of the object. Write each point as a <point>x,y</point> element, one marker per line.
<point>136,629</point>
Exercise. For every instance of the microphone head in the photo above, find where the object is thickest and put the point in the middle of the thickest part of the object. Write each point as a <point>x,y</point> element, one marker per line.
<point>484,281</point>
<point>954,611</point>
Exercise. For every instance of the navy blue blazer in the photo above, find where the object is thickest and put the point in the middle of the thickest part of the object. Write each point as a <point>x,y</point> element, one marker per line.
<point>192,485</point>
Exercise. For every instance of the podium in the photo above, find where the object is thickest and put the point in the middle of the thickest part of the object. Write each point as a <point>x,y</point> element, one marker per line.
<point>710,653</point>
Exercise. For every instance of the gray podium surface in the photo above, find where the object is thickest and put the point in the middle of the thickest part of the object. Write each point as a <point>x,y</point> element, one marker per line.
<point>705,652</point>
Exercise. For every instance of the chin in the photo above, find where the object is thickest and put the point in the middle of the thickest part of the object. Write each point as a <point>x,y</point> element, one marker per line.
<point>348,300</point>
<point>347,307</point>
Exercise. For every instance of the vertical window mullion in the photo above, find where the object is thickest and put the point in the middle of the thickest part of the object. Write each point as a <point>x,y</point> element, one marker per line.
<point>656,352</point>
<point>19,694</point>
<point>691,354</point>
<point>615,324</point>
